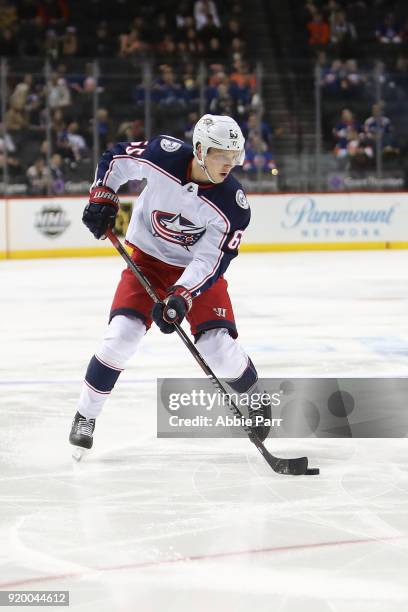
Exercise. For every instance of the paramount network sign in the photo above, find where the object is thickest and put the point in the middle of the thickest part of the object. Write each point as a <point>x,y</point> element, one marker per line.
<point>342,219</point>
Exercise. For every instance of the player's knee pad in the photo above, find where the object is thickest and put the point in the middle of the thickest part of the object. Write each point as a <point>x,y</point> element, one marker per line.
<point>223,354</point>
<point>121,340</point>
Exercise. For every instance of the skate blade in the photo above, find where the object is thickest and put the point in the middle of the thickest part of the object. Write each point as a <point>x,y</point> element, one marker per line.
<point>78,453</point>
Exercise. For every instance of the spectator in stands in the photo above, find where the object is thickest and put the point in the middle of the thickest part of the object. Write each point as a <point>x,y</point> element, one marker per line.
<point>310,9</point>
<point>345,131</point>
<point>204,12</point>
<point>258,156</point>
<point>255,125</point>
<point>104,128</point>
<point>243,87</point>
<point>233,30</point>
<point>352,149</point>
<point>30,96</point>
<point>217,75</point>
<point>14,168</point>
<point>190,85</point>
<point>167,45</point>
<point>76,141</point>
<point>378,127</point>
<point>209,31</point>
<point>70,43</point>
<point>131,131</point>
<point>380,78</point>
<point>342,35</point>
<point>331,78</point>
<point>52,45</point>
<point>242,77</point>
<point>319,32</point>
<point>352,81</point>
<point>359,154</point>
<point>38,178</point>
<point>21,91</point>
<point>58,124</point>
<point>131,43</point>
<point>59,95</point>
<point>183,16</point>
<point>8,152</point>
<point>13,163</point>
<point>389,32</point>
<point>194,45</point>
<point>166,90</point>
<point>84,84</point>
<point>57,174</point>
<point>183,25</point>
<point>237,47</point>
<point>15,119</point>
<point>34,106</point>
<point>214,52</point>
<point>223,102</point>
<point>330,10</point>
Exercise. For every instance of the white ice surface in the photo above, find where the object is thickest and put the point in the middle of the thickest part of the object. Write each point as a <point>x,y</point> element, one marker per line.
<point>152,525</point>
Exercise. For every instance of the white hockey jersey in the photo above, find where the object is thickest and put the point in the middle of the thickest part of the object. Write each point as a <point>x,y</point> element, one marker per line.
<point>193,226</point>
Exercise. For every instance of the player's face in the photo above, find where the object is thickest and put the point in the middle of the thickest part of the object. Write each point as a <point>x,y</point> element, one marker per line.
<point>220,162</point>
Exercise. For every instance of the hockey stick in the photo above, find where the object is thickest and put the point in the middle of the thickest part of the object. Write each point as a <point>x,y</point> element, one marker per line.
<point>293,467</point>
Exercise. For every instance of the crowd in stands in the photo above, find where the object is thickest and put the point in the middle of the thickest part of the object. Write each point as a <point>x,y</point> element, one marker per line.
<point>53,119</point>
<point>60,29</point>
<point>342,25</point>
<point>356,144</point>
<point>361,48</point>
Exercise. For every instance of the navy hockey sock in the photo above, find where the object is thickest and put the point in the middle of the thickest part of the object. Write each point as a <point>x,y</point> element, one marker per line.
<point>247,383</point>
<point>100,376</point>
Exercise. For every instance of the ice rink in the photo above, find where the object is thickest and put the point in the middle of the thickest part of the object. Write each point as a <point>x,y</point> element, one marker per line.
<point>148,525</point>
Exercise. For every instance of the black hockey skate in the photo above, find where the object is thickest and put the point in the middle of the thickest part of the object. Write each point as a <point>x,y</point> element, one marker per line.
<point>261,418</point>
<point>81,436</point>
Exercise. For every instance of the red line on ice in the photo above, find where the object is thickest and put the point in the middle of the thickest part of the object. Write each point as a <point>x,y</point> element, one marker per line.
<point>221,555</point>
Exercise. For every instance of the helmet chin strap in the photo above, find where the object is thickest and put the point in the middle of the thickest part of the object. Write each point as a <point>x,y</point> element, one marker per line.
<point>202,165</point>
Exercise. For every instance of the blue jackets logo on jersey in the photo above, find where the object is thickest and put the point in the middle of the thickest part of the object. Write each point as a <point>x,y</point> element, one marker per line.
<point>176,229</point>
<point>170,145</point>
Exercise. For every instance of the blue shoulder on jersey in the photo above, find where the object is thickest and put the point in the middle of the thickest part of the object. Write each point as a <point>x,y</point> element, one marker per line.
<point>170,154</point>
<point>166,152</point>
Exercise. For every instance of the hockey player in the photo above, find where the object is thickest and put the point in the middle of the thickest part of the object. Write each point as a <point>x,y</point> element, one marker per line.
<point>185,229</point>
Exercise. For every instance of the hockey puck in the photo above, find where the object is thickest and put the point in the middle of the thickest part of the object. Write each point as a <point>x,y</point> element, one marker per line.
<point>312,472</point>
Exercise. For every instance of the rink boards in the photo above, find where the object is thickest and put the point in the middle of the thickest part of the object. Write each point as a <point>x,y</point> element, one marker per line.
<point>52,227</point>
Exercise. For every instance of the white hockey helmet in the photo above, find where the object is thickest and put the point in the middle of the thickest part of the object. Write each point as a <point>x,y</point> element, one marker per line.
<point>220,132</point>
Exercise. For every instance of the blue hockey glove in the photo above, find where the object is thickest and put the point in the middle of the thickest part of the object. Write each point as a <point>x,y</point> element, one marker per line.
<point>100,213</point>
<point>176,305</point>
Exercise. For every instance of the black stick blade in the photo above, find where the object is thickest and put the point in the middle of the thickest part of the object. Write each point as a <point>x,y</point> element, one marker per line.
<point>290,467</point>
